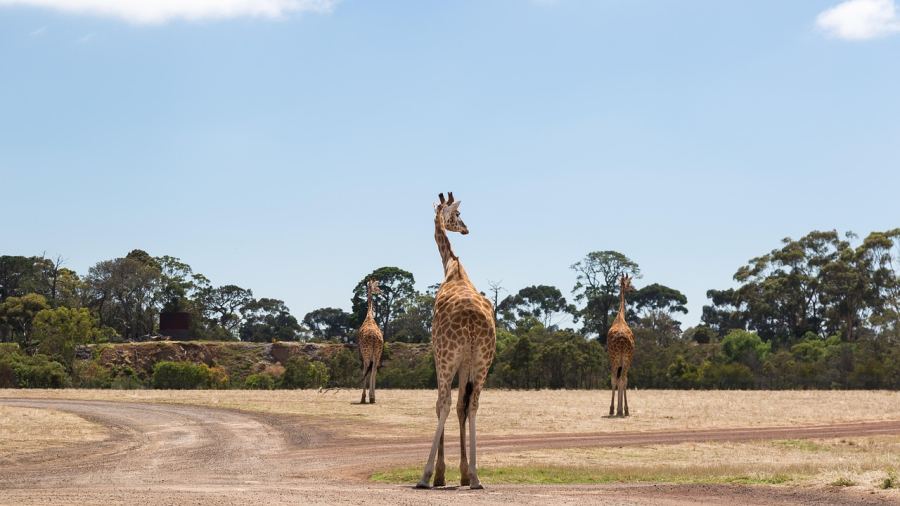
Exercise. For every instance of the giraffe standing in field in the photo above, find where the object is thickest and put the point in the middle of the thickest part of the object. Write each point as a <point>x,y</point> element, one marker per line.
<point>371,343</point>
<point>620,346</point>
<point>463,337</point>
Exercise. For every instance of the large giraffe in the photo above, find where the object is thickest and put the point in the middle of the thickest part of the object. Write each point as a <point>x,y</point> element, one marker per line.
<point>464,339</point>
<point>620,346</point>
<point>371,343</point>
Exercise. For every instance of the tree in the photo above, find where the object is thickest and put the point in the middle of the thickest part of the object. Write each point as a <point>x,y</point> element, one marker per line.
<point>819,283</point>
<point>21,275</point>
<point>56,332</point>
<point>495,288</point>
<point>542,302</point>
<point>125,293</point>
<point>17,315</point>
<point>267,320</point>
<point>397,292</point>
<point>330,323</point>
<point>413,325</point>
<point>597,287</point>
<point>223,307</point>
<point>658,298</point>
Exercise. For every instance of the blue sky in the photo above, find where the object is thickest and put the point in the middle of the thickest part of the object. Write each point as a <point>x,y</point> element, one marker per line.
<point>295,149</point>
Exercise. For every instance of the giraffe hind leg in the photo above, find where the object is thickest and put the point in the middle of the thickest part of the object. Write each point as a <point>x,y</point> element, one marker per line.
<point>614,381</point>
<point>367,370</point>
<point>443,409</point>
<point>463,401</point>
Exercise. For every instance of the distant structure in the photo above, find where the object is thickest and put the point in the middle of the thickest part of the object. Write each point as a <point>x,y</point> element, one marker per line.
<point>620,346</point>
<point>175,324</point>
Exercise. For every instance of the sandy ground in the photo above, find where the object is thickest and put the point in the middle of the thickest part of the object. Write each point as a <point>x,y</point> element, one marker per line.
<point>177,453</point>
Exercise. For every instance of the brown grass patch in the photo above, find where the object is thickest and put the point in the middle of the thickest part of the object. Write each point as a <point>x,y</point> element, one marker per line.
<point>27,430</point>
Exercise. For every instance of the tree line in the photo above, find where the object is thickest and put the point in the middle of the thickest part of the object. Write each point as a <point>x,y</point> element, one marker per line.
<point>822,311</point>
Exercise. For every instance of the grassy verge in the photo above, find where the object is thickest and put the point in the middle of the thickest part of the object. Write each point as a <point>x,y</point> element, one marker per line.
<point>571,475</point>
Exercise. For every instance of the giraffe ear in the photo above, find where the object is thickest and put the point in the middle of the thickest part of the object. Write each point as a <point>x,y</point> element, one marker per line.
<point>454,206</point>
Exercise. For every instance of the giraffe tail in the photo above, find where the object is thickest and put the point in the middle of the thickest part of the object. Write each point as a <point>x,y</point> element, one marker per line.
<point>368,370</point>
<point>467,397</point>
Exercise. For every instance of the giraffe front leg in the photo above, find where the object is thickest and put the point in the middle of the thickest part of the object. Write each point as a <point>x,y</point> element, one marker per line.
<point>440,467</point>
<point>443,409</point>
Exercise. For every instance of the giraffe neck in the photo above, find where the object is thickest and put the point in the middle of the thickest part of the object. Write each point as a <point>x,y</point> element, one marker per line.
<point>443,242</point>
<point>370,314</point>
<point>621,315</point>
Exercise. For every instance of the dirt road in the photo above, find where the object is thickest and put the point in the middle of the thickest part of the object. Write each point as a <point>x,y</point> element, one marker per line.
<point>176,454</point>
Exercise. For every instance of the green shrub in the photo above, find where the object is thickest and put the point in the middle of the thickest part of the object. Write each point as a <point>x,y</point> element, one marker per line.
<point>37,371</point>
<point>180,375</point>
<point>344,369</point>
<point>300,372</point>
<point>260,381</point>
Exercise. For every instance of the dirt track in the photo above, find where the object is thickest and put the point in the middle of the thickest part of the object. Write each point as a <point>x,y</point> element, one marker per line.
<point>174,454</point>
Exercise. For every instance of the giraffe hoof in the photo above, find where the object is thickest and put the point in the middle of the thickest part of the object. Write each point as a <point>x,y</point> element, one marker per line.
<point>476,486</point>
<point>439,483</point>
<point>371,401</point>
<point>423,485</point>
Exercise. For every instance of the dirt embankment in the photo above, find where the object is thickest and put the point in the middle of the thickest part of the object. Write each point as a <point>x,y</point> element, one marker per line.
<point>238,359</point>
<point>176,454</point>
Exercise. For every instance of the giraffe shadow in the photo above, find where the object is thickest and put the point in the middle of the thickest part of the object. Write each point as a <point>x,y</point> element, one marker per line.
<point>448,488</point>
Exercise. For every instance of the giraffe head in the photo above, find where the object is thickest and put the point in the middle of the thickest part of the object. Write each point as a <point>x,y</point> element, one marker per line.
<point>373,287</point>
<point>449,213</point>
<point>625,283</point>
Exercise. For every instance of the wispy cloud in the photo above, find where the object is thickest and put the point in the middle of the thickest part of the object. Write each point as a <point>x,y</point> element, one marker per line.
<point>162,11</point>
<point>860,19</point>
<point>38,32</point>
<point>84,39</point>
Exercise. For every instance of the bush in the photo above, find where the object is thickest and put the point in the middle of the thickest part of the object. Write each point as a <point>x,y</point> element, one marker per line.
<point>181,375</point>
<point>32,372</point>
<point>300,372</point>
<point>218,378</point>
<point>344,369</point>
<point>260,381</point>
<point>91,374</point>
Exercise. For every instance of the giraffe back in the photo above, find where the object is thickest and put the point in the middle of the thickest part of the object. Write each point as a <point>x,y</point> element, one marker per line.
<point>371,340</point>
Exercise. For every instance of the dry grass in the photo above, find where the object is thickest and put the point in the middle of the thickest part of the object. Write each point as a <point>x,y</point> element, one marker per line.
<point>503,412</point>
<point>27,430</point>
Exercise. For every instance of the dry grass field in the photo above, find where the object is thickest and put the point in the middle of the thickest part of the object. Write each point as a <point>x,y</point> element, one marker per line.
<point>867,464</point>
<point>405,413</point>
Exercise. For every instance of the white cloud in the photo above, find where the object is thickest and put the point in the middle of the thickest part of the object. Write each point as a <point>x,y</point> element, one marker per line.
<point>860,19</point>
<point>161,11</point>
<point>40,31</point>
